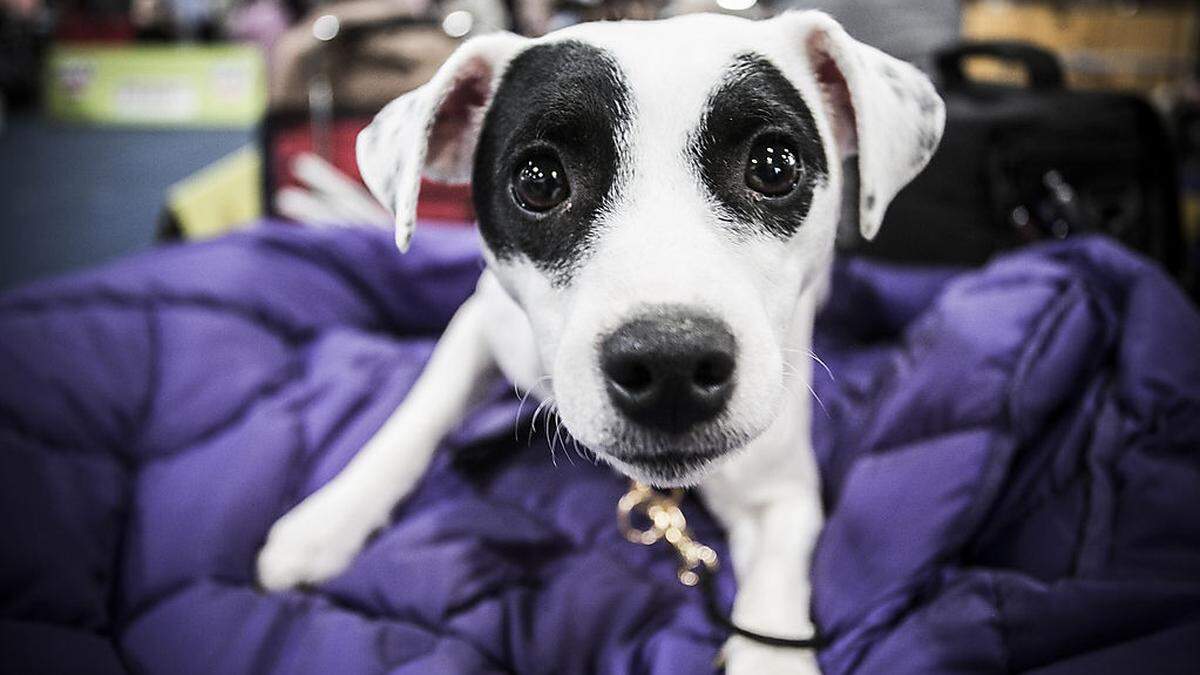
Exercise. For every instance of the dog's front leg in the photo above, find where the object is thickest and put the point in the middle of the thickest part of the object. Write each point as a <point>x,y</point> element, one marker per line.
<point>768,498</point>
<point>318,538</point>
<point>771,561</point>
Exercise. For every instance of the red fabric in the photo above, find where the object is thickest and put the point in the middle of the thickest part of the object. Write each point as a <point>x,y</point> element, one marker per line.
<point>450,203</point>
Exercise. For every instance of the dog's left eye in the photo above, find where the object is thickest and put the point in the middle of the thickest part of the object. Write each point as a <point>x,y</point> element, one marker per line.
<point>539,183</point>
<point>773,167</point>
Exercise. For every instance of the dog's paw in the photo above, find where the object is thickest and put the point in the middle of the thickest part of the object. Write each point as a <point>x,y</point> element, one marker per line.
<point>315,541</point>
<point>746,657</point>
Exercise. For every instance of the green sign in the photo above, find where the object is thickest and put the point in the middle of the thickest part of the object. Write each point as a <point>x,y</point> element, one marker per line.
<point>194,86</point>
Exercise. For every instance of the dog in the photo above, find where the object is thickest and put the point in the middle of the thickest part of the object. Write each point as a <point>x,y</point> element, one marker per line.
<point>658,204</point>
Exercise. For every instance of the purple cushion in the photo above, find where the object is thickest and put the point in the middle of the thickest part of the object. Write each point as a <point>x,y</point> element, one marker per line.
<point>1011,463</point>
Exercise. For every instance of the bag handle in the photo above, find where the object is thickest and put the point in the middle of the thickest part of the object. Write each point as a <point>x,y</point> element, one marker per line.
<point>1042,67</point>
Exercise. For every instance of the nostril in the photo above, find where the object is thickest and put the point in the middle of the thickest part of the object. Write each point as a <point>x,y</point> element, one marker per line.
<point>632,375</point>
<point>713,371</point>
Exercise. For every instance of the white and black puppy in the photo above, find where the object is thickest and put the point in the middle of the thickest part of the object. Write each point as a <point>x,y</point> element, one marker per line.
<point>658,203</point>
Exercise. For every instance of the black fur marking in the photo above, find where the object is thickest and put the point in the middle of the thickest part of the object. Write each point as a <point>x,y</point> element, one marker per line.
<point>755,98</point>
<point>570,98</point>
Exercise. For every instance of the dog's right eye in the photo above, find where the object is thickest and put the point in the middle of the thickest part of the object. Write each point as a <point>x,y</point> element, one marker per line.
<point>773,167</point>
<point>539,183</point>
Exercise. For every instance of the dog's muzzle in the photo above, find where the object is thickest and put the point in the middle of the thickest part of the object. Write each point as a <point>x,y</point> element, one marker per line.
<point>671,370</point>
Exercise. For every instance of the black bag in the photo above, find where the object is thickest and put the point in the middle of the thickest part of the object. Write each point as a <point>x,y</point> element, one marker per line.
<point>1020,164</point>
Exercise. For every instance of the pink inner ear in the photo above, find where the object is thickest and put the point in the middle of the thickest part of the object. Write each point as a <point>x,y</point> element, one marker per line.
<point>837,95</point>
<point>451,131</point>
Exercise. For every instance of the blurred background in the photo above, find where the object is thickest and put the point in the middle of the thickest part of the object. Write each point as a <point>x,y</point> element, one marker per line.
<point>126,124</point>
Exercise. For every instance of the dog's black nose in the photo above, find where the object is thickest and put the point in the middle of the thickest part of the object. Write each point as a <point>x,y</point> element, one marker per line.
<point>669,371</point>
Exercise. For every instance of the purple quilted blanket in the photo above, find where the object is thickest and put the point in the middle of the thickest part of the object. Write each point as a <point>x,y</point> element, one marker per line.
<point>1011,462</point>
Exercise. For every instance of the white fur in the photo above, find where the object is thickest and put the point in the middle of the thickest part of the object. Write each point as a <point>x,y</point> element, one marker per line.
<point>659,242</point>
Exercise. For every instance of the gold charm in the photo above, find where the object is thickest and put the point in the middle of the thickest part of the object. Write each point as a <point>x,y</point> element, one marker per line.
<point>666,521</point>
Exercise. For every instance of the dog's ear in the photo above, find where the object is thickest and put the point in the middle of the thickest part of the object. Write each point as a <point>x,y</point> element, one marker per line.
<point>882,109</point>
<point>432,131</point>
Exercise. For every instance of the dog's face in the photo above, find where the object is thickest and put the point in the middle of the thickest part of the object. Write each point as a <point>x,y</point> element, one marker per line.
<point>657,196</point>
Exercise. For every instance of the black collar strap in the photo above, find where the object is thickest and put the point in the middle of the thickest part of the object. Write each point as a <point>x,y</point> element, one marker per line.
<point>713,607</point>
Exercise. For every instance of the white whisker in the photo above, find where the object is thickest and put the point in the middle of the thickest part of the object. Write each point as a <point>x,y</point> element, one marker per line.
<point>546,428</point>
<point>558,438</point>
<point>520,409</point>
<point>819,401</point>
<point>813,355</point>
<point>575,445</point>
<point>797,377</point>
<point>533,422</point>
<point>823,365</point>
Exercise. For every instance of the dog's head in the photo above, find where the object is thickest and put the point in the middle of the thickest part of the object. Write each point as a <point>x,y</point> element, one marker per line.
<point>657,196</point>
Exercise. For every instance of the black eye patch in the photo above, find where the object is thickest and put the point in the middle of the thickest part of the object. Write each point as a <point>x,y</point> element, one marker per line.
<point>567,100</point>
<point>757,101</point>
